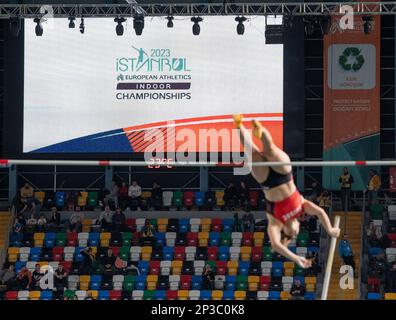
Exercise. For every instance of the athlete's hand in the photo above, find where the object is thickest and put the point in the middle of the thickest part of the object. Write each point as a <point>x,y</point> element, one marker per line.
<point>334,232</point>
<point>303,262</point>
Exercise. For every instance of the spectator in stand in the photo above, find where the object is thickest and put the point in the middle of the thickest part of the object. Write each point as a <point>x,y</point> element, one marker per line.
<point>55,220</point>
<point>374,235</point>
<point>391,278</point>
<point>28,201</point>
<point>31,224</point>
<point>208,278</point>
<point>377,266</point>
<point>373,186</point>
<point>316,192</point>
<point>7,277</point>
<point>315,266</point>
<point>134,192</point>
<point>248,222</point>
<point>75,221</point>
<point>17,234</point>
<point>89,258</point>
<point>123,198</point>
<point>113,195</point>
<point>346,181</point>
<point>106,219</point>
<point>60,278</point>
<point>230,194</point>
<point>297,290</point>
<point>237,223</point>
<point>21,219</point>
<point>118,221</point>
<point>244,195</point>
<point>156,196</point>
<point>148,234</point>
<point>24,279</point>
<point>36,277</point>
<point>41,223</point>
<point>324,201</point>
<point>346,253</point>
<point>108,263</point>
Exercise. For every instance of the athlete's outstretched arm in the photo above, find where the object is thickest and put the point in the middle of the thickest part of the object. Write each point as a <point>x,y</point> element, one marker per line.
<point>314,210</point>
<point>274,233</point>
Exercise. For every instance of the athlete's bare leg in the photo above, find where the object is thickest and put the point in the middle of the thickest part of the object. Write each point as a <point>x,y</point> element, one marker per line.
<point>271,151</point>
<point>313,210</point>
<point>259,173</point>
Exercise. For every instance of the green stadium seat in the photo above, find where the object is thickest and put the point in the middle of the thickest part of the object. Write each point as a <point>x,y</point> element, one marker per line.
<point>225,239</point>
<point>177,198</point>
<point>129,283</point>
<point>149,294</point>
<point>126,238</point>
<point>92,199</point>
<point>242,283</point>
<point>61,239</point>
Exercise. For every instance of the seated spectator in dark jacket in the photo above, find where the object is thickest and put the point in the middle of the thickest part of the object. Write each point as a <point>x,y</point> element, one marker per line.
<point>119,221</point>
<point>7,277</point>
<point>106,219</point>
<point>244,195</point>
<point>108,263</point>
<point>230,193</point>
<point>156,196</point>
<point>147,234</point>
<point>315,266</point>
<point>36,277</point>
<point>391,278</point>
<point>31,224</point>
<point>377,266</point>
<point>208,278</point>
<point>297,290</point>
<point>89,258</point>
<point>60,278</point>
<point>55,220</point>
<point>24,279</point>
<point>123,198</point>
<point>316,192</point>
<point>21,219</point>
<point>29,202</point>
<point>75,221</point>
<point>17,233</point>
<point>41,223</point>
<point>248,222</point>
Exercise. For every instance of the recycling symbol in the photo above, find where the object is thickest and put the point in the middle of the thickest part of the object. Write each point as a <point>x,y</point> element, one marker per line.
<point>351,59</point>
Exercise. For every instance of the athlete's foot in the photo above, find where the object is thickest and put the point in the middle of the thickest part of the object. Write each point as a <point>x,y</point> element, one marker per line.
<point>257,129</point>
<point>237,120</point>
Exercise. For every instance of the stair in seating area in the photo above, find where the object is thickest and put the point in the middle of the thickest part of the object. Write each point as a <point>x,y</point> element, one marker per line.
<point>353,229</point>
<point>4,224</point>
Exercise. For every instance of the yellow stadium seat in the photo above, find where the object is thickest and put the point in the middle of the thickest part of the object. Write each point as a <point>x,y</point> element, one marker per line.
<point>258,239</point>
<point>40,196</point>
<point>390,296</point>
<point>217,295</point>
<point>94,293</point>
<point>285,295</point>
<point>94,250</point>
<point>288,265</point>
<point>253,283</point>
<point>232,268</point>
<point>82,199</point>
<point>246,252</point>
<point>240,295</point>
<point>203,238</point>
<point>13,254</point>
<point>182,294</point>
<point>146,253</point>
<point>13,250</point>
<point>219,198</point>
<point>105,235</point>
<point>311,280</point>
<point>288,272</point>
<point>39,236</point>
<point>152,282</point>
<point>205,224</point>
<point>43,263</point>
<point>34,295</point>
<point>162,224</point>
<point>146,195</point>
<point>177,267</point>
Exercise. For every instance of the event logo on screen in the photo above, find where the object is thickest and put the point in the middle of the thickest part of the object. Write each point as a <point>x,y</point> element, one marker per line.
<point>152,74</point>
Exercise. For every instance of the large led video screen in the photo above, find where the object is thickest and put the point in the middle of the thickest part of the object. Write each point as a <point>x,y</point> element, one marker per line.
<point>97,92</point>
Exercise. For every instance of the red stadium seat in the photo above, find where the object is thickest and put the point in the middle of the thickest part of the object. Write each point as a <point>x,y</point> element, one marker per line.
<point>192,239</point>
<point>12,295</point>
<point>257,253</point>
<point>72,239</point>
<point>185,282</point>
<point>188,197</point>
<point>221,268</point>
<point>392,238</point>
<point>116,250</point>
<point>57,253</point>
<point>115,294</point>
<point>247,239</point>
<point>171,295</point>
<point>66,265</point>
<point>212,253</point>
<point>265,283</point>
<point>155,267</point>
<point>216,225</point>
<point>131,224</point>
<point>373,284</point>
<point>135,239</point>
<point>179,253</point>
<point>253,198</point>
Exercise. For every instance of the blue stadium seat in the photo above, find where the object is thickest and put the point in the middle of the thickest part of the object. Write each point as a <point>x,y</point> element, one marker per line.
<point>160,295</point>
<point>94,239</point>
<point>160,239</point>
<point>19,265</point>
<point>78,257</point>
<point>60,199</point>
<point>140,282</point>
<point>103,295</point>
<point>277,269</point>
<point>309,296</point>
<point>223,253</point>
<point>243,268</point>
<point>373,296</point>
<point>214,239</point>
<point>374,251</point>
<point>46,295</point>
<point>95,283</point>
<point>196,282</point>
<point>184,225</point>
<point>274,295</point>
<point>199,198</point>
<point>313,249</point>
<point>206,295</point>
<point>228,225</point>
<point>301,278</point>
<point>228,295</point>
<point>167,253</point>
<point>144,267</point>
<point>49,240</point>
<point>293,249</point>
<point>230,283</point>
<point>35,254</point>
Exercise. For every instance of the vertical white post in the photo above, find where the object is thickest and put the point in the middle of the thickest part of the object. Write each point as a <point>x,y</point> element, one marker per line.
<point>330,260</point>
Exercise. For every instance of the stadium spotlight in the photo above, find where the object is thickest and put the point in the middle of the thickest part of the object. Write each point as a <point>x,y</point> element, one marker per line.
<point>138,24</point>
<point>72,25</point>
<point>170,21</point>
<point>39,28</point>
<point>325,24</point>
<point>367,26</point>
<point>82,26</point>
<point>240,25</point>
<point>119,26</point>
<point>196,29</point>
<point>15,26</point>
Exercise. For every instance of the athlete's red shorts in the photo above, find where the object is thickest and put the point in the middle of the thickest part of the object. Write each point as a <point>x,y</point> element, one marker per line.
<point>289,208</point>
